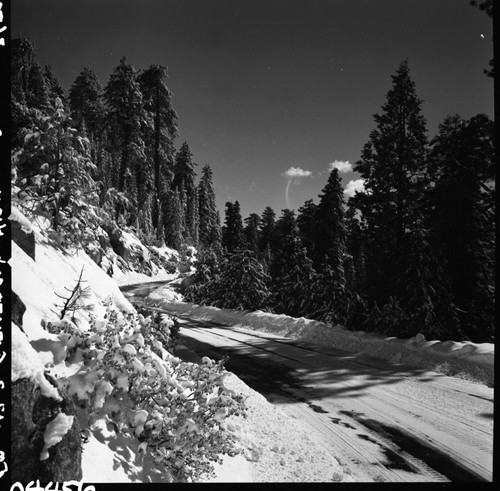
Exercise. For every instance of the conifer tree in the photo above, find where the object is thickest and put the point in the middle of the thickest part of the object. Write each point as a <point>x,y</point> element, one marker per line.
<point>463,219</point>
<point>22,58</point>
<point>54,86</point>
<point>233,237</point>
<point>306,220</point>
<point>173,215</point>
<point>330,227</point>
<point>125,112</point>
<point>291,290</point>
<point>252,225</point>
<point>87,106</point>
<point>184,170</point>
<point>267,228</point>
<point>209,228</point>
<point>242,284</point>
<point>327,302</point>
<point>38,92</point>
<point>285,235</point>
<point>192,218</point>
<point>393,166</point>
<point>159,131</point>
<point>205,278</point>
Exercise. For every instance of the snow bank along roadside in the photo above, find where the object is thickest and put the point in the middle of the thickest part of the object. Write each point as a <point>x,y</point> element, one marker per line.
<point>275,448</point>
<point>461,359</point>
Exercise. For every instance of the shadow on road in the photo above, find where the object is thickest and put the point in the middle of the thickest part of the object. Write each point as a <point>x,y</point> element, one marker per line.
<point>299,371</point>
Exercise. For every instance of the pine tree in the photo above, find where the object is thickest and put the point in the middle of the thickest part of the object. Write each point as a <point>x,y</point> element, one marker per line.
<point>174,224</point>
<point>125,112</point>
<point>38,92</point>
<point>393,166</point>
<point>267,228</point>
<point>22,58</point>
<point>356,249</point>
<point>160,130</point>
<point>205,278</point>
<point>242,284</point>
<point>233,237</point>
<point>252,225</point>
<point>192,218</point>
<point>209,228</point>
<point>327,302</point>
<point>87,106</point>
<point>23,114</point>
<point>306,220</point>
<point>54,86</point>
<point>463,219</point>
<point>330,227</point>
<point>283,240</point>
<point>184,170</point>
<point>291,291</point>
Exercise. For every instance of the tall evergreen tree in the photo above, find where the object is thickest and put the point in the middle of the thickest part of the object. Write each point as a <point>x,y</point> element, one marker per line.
<point>174,219</point>
<point>306,220</point>
<point>54,86</point>
<point>393,166</point>
<point>184,170</point>
<point>233,237</point>
<point>291,270</point>
<point>160,130</point>
<point>209,228</point>
<point>292,290</point>
<point>22,58</point>
<point>87,106</point>
<point>268,221</point>
<point>330,227</point>
<point>283,242</point>
<point>252,225</point>
<point>125,112</point>
<point>38,91</point>
<point>193,218</point>
<point>205,278</point>
<point>463,218</point>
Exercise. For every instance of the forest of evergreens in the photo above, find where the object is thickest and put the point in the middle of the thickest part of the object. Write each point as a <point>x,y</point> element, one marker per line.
<point>412,254</point>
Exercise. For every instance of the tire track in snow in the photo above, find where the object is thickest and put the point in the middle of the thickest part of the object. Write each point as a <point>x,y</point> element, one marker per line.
<point>437,458</point>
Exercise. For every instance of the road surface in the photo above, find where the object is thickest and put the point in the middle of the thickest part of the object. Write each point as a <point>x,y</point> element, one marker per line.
<point>383,422</point>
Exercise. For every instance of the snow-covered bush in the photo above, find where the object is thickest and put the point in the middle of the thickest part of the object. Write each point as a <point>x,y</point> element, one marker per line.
<point>128,376</point>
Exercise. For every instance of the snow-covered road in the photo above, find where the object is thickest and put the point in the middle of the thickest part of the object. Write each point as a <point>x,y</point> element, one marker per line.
<point>384,422</point>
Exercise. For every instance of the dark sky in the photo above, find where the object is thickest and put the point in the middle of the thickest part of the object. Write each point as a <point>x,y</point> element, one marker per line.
<point>264,85</point>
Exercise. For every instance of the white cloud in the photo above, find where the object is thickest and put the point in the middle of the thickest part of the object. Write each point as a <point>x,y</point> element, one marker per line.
<point>353,186</point>
<point>343,166</point>
<point>293,172</point>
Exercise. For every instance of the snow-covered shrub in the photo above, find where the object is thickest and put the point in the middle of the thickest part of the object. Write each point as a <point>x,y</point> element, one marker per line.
<point>128,375</point>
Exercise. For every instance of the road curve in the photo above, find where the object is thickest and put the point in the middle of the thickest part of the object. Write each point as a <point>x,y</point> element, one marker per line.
<point>383,422</point>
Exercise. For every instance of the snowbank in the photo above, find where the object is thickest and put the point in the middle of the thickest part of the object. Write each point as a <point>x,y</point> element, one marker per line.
<point>275,449</point>
<point>462,359</point>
